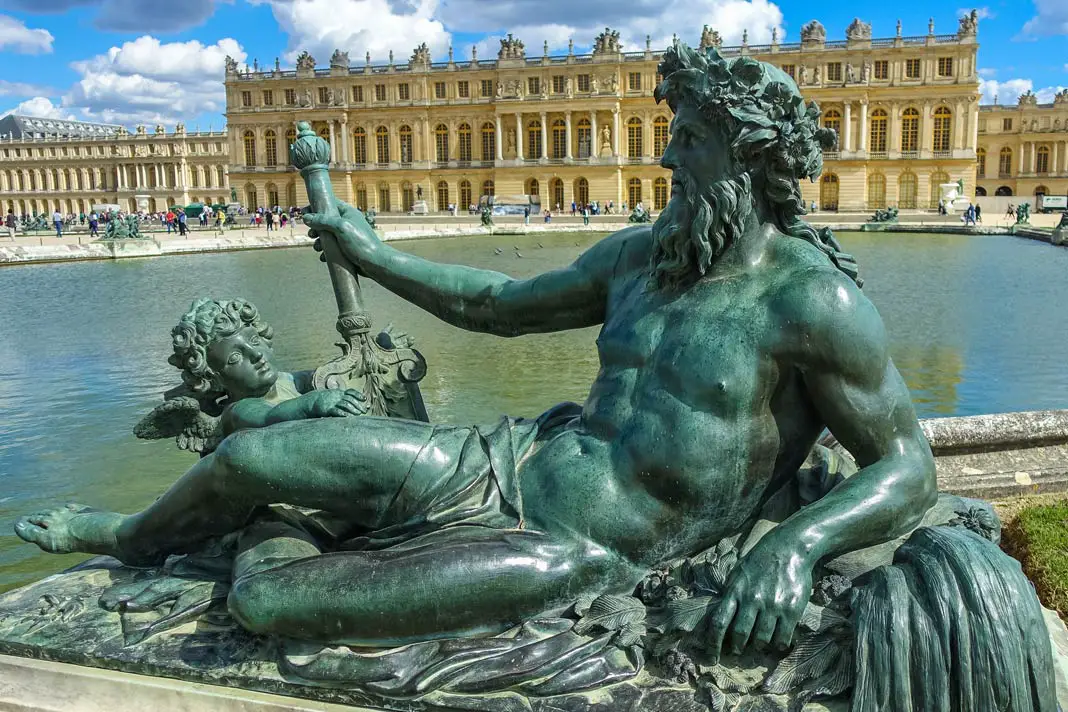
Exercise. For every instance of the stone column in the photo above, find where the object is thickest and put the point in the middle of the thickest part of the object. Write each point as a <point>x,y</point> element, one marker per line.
<point>1020,168</point>
<point>333,142</point>
<point>519,137</point>
<point>544,136</point>
<point>567,134</point>
<point>958,126</point>
<point>894,144</point>
<point>346,155</point>
<point>847,128</point>
<point>498,139</point>
<point>1034,163</point>
<point>595,138</point>
<point>1054,169</point>
<point>926,135</point>
<point>615,131</point>
<point>863,142</point>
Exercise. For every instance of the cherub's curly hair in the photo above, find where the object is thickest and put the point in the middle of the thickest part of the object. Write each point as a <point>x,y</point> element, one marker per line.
<point>775,137</point>
<point>206,321</point>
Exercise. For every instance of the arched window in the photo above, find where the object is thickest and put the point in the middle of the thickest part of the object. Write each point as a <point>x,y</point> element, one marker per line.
<point>582,133</point>
<point>250,148</point>
<point>443,193</point>
<point>556,188</point>
<point>910,130</point>
<point>55,181</point>
<point>384,201</point>
<point>407,196</point>
<point>1005,162</point>
<point>876,191</point>
<point>1003,190</point>
<point>829,192</point>
<point>634,192</point>
<point>532,186</point>
<point>907,189</point>
<point>194,176</point>
<point>487,187</point>
<point>359,146</point>
<point>833,120</point>
<point>407,144</point>
<point>937,180</point>
<point>559,138</point>
<point>272,195</point>
<point>582,191</point>
<point>534,139</point>
<point>878,132</point>
<point>489,143</point>
<point>463,142</point>
<point>660,193</point>
<point>1041,190</point>
<point>943,118</point>
<point>980,162</point>
<point>291,138</point>
<point>324,134</point>
<point>270,142</point>
<point>361,196</point>
<point>291,194</point>
<point>660,136</point>
<point>441,143</point>
<point>1042,159</point>
<point>465,194</point>
<point>980,191</point>
<point>382,147</point>
<point>250,197</point>
<point>634,138</point>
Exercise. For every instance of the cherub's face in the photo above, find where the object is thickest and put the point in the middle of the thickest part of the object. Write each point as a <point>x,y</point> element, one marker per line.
<point>243,363</point>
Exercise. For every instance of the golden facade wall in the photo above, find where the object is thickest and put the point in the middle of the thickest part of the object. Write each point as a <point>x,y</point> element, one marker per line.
<point>1023,149</point>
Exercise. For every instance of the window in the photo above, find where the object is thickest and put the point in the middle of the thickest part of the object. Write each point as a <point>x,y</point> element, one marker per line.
<point>463,143</point>
<point>907,191</point>
<point>268,97</point>
<point>634,192</point>
<point>881,69</point>
<point>945,66</point>
<point>407,197</point>
<point>533,85</point>
<point>878,132</point>
<point>829,192</point>
<point>1005,162</point>
<point>441,143</point>
<point>556,189</point>
<point>834,72</point>
<point>250,148</point>
<point>403,94</point>
<point>634,138</point>
<point>487,187</point>
<point>660,135</point>
<point>937,179</point>
<point>291,138</point>
<point>634,81</point>
<point>1006,124</point>
<point>532,187</point>
<point>465,194</point>
<point>324,95</point>
<point>270,142</point>
<point>1042,159</point>
<point>912,69</point>
<point>359,146</point>
<point>487,88</point>
<point>582,82</point>
<point>382,143</point>
<point>582,191</point>
<point>833,120</point>
<point>463,89</point>
<point>361,197</point>
<point>383,198</point>
<point>790,70</point>
<point>489,150</point>
<point>291,97</point>
<point>406,144</point>
<point>876,191</point>
<point>246,99</point>
<point>443,195</point>
<point>534,139</point>
<point>980,162</point>
<point>910,130</point>
<point>558,84</point>
<point>439,90</point>
<point>357,94</point>
<point>559,138</point>
<point>380,92</point>
<point>584,135</point>
<point>943,117</point>
<point>660,193</point>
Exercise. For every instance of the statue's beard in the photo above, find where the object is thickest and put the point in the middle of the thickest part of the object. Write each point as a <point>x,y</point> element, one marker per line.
<point>696,227</point>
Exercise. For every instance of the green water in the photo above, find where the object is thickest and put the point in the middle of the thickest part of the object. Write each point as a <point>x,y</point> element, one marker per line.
<point>978,325</point>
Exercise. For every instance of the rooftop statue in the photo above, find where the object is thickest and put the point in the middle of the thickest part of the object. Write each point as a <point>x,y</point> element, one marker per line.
<point>339,59</point>
<point>231,65</point>
<point>813,32</point>
<point>858,30</point>
<point>679,541</point>
<point>607,42</point>
<point>1061,97</point>
<point>420,56</point>
<point>305,61</point>
<point>511,48</point>
<point>710,38</point>
<point>969,24</point>
<point>1028,98</point>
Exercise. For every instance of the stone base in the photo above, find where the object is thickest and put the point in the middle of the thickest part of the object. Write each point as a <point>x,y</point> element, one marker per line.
<point>1060,236</point>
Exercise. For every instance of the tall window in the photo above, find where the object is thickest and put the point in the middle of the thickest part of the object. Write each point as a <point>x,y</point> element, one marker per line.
<point>1006,124</point>
<point>291,138</point>
<point>250,148</point>
<point>487,187</point>
<point>634,192</point>
<point>556,189</point>
<point>359,145</point>
<point>268,97</point>
<point>489,142</point>
<point>660,193</point>
<point>980,161</point>
<point>465,194</point>
<point>443,195</point>
<point>1005,162</point>
<point>878,132</point>
<point>463,89</point>
<point>382,147</point>
<point>559,138</point>
<point>634,81</point>
<point>324,95</point>
<point>833,120</point>
<point>441,143</point>
<point>534,139</point>
<point>533,85</point>
<point>272,195</point>
<point>937,180</point>
<point>876,191</point>
<point>407,152</point>
<point>829,192</point>
<point>357,95</point>
<point>881,69</point>
<point>270,142</point>
<point>912,68</point>
<point>532,187</point>
<point>660,135</point>
<point>403,93</point>
<point>487,88</point>
<point>1042,160</point>
<point>834,71</point>
<point>439,90</point>
<point>463,144</point>
<point>380,92</point>
<point>943,117</point>
<point>584,138</point>
<point>361,197</point>
<point>634,137</point>
<point>246,99</point>
<point>383,198</point>
<point>907,190</point>
<point>291,97</point>
<point>945,66</point>
<point>582,82</point>
<point>582,191</point>
<point>790,70</point>
<point>910,130</point>
<point>558,84</point>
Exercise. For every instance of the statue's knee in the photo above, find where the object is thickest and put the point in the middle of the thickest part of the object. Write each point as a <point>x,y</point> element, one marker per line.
<point>254,603</point>
<point>238,458</point>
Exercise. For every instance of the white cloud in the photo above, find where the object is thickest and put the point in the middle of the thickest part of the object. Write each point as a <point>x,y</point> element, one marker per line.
<point>14,35</point>
<point>1006,92</point>
<point>41,107</point>
<point>1051,18</point>
<point>23,89</point>
<point>985,13</point>
<point>148,81</point>
<point>987,73</point>
<point>128,15</point>
<point>1046,94</point>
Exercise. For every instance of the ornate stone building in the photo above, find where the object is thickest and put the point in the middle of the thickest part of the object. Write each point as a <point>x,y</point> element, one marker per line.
<point>51,164</point>
<point>585,127</point>
<point>1023,149</point>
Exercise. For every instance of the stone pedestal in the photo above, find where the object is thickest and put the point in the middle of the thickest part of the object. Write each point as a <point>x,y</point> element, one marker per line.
<point>1060,236</point>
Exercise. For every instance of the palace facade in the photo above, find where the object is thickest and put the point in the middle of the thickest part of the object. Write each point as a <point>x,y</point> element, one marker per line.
<point>70,166</point>
<point>1023,149</point>
<point>585,127</point>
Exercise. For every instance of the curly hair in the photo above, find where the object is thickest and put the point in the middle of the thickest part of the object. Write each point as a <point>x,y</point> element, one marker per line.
<point>775,137</point>
<point>207,321</point>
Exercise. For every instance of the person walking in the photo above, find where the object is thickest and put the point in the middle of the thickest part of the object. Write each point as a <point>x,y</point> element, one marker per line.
<point>1011,212</point>
<point>182,226</point>
<point>585,216</point>
<point>169,219</point>
<point>268,217</point>
<point>94,224</point>
<point>57,220</point>
<point>978,213</point>
<point>11,223</point>
<point>526,215</point>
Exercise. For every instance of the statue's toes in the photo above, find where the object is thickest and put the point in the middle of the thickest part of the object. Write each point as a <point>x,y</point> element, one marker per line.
<point>34,529</point>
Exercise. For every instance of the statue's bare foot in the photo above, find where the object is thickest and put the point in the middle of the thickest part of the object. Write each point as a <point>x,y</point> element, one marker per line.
<point>72,528</point>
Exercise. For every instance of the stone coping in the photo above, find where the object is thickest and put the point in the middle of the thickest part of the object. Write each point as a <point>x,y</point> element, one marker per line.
<point>996,431</point>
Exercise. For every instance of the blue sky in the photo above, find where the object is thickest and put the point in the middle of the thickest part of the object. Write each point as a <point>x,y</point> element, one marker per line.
<point>149,61</point>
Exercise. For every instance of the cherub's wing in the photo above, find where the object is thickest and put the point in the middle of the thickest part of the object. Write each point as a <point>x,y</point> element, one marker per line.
<point>183,419</point>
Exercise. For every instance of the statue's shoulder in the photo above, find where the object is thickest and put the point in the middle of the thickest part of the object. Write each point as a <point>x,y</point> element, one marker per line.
<point>621,252</point>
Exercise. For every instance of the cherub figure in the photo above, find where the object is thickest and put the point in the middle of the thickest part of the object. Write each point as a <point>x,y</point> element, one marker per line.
<point>224,350</point>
